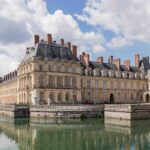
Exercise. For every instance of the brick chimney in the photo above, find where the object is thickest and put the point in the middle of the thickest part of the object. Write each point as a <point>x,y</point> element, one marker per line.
<point>49,38</point>
<point>137,60</point>
<point>85,58</point>
<point>117,63</point>
<point>36,39</point>
<point>111,59</point>
<point>127,64</point>
<point>100,59</point>
<point>74,51</point>
<point>68,44</point>
<point>62,41</point>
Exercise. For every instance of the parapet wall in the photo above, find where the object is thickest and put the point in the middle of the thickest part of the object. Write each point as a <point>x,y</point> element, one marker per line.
<point>127,111</point>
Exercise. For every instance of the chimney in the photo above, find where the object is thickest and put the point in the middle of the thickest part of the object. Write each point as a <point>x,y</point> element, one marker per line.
<point>62,41</point>
<point>74,51</point>
<point>117,63</point>
<point>111,59</point>
<point>137,60</point>
<point>100,59</point>
<point>86,59</point>
<point>127,64</point>
<point>36,39</point>
<point>49,38</point>
<point>69,45</point>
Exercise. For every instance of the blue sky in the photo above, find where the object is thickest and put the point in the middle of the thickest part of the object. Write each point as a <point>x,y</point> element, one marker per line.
<point>76,7</point>
<point>99,27</point>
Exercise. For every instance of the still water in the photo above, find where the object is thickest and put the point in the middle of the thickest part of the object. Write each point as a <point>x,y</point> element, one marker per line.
<point>89,134</point>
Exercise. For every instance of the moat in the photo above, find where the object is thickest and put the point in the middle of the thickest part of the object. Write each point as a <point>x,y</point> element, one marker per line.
<point>87,134</point>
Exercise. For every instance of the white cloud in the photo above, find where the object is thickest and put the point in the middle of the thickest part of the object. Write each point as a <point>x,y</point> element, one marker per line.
<point>128,18</point>
<point>19,21</point>
<point>118,42</point>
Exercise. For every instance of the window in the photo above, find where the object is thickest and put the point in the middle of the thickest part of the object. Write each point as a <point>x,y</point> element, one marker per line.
<point>41,80</point>
<point>51,97</point>
<point>111,84</point>
<point>59,81</point>
<point>50,68</point>
<point>41,96</point>
<point>59,97</point>
<point>51,81</point>
<point>88,83</point>
<point>67,97</point>
<point>67,81</point>
<point>74,82</point>
<point>97,84</point>
<point>104,84</point>
<point>74,69</point>
<point>40,67</point>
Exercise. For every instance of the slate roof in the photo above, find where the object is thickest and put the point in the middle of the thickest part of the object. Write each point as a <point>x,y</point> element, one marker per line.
<point>144,64</point>
<point>108,66</point>
<point>52,51</point>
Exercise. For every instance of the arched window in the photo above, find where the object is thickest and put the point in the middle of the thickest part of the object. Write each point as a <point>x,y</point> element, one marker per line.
<point>147,97</point>
<point>41,80</point>
<point>51,97</point>
<point>67,97</point>
<point>131,96</point>
<point>59,97</point>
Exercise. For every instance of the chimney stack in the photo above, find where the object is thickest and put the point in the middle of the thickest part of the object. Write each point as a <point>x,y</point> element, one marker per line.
<point>100,59</point>
<point>36,39</point>
<point>137,60</point>
<point>74,51</point>
<point>49,38</point>
<point>127,64</point>
<point>68,44</point>
<point>117,63</point>
<point>111,59</point>
<point>85,58</point>
<point>62,41</point>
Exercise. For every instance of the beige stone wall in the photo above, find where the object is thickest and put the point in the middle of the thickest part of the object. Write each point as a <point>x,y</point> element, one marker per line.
<point>49,82</point>
<point>98,89</point>
<point>8,92</point>
<point>44,82</point>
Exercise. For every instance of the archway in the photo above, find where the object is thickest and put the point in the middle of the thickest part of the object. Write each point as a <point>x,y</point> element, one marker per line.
<point>67,97</point>
<point>147,97</point>
<point>111,101</point>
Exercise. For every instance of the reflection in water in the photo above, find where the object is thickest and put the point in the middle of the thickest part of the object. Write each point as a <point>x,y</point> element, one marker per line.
<point>90,134</point>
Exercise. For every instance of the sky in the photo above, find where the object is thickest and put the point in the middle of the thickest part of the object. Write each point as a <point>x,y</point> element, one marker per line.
<point>98,27</point>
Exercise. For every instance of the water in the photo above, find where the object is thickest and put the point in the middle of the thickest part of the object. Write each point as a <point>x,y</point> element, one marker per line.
<point>89,134</point>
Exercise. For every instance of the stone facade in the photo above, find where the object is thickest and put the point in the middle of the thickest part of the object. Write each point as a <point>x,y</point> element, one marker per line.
<point>52,73</point>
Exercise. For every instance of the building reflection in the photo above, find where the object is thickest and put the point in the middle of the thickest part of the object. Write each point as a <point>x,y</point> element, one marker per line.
<point>77,134</point>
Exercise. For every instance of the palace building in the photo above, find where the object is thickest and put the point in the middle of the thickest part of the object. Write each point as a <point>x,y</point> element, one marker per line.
<point>52,73</point>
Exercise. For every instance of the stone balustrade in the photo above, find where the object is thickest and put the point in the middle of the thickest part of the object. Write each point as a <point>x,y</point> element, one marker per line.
<point>55,108</point>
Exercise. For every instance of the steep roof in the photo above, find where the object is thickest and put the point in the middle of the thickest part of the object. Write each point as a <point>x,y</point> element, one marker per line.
<point>51,51</point>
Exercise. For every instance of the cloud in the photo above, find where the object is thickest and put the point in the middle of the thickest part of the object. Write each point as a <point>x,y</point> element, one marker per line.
<point>129,18</point>
<point>118,42</point>
<point>20,20</point>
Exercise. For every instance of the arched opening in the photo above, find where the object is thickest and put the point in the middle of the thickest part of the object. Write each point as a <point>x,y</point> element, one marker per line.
<point>67,97</point>
<point>147,97</point>
<point>51,97</point>
<point>111,101</point>
<point>59,97</point>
